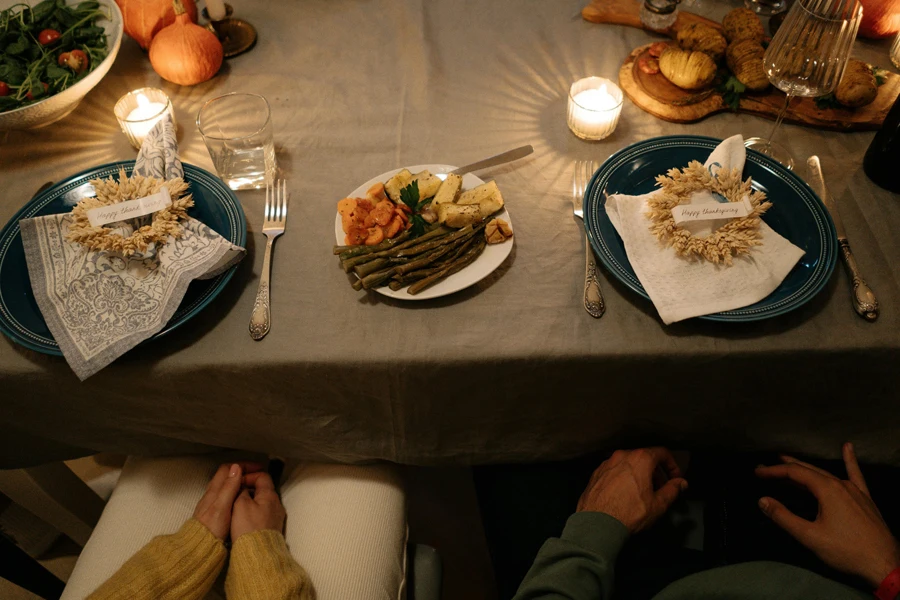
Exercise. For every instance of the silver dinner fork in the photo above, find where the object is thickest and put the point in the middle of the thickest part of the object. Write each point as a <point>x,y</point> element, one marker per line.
<point>593,299</point>
<point>273,226</point>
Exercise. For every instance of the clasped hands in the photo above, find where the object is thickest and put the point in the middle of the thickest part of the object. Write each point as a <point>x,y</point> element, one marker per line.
<point>240,499</point>
<point>638,486</point>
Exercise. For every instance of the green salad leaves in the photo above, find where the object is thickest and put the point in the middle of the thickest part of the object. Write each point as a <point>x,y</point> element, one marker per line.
<point>46,48</point>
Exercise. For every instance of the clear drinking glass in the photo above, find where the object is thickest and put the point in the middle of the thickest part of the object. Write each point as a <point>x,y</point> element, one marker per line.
<point>807,57</point>
<point>237,129</point>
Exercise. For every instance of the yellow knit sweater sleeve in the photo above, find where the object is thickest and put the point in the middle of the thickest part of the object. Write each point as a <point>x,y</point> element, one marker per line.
<point>262,568</point>
<point>181,566</point>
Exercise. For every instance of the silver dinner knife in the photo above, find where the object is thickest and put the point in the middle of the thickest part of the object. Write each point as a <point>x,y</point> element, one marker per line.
<point>864,301</point>
<point>493,161</point>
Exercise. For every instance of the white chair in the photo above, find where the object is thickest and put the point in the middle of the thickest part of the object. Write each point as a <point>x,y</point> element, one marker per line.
<point>346,526</point>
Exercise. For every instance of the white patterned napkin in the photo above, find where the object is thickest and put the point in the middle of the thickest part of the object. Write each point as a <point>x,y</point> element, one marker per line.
<point>99,305</point>
<point>681,288</point>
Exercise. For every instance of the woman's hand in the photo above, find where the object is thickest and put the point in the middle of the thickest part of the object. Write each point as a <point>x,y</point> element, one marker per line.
<point>214,508</point>
<point>848,533</point>
<point>622,487</point>
<point>257,507</point>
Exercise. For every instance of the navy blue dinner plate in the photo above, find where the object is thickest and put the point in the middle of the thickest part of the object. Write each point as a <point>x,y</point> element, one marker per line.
<point>796,213</point>
<point>21,320</point>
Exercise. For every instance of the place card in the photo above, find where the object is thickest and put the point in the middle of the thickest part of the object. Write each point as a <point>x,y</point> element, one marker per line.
<point>129,209</point>
<point>712,211</point>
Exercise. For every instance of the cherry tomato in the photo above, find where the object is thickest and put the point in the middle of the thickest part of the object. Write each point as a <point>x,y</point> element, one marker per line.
<point>656,48</point>
<point>29,96</point>
<point>75,60</point>
<point>649,66</point>
<point>4,88</point>
<point>48,36</point>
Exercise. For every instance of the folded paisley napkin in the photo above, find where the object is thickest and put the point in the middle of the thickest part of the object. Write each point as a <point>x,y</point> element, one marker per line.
<point>681,288</point>
<point>99,305</point>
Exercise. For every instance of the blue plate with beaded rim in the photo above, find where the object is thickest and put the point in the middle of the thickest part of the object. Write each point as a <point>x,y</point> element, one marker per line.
<point>796,213</point>
<point>21,320</point>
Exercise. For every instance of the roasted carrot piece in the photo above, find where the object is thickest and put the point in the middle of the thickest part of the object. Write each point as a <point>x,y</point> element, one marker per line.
<point>376,236</point>
<point>356,235</point>
<point>347,221</point>
<point>377,191</point>
<point>395,227</point>
<point>346,205</point>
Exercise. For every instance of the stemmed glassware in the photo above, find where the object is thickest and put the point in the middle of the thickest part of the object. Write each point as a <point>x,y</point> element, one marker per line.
<point>807,58</point>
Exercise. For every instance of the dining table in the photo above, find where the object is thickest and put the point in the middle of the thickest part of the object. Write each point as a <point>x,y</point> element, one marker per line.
<point>509,370</point>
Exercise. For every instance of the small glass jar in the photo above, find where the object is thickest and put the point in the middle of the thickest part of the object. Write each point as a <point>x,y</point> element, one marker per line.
<point>594,107</point>
<point>140,110</point>
<point>659,14</point>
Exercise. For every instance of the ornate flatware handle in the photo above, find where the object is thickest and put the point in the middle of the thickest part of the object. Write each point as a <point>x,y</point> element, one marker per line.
<point>261,318</point>
<point>593,299</point>
<point>864,301</point>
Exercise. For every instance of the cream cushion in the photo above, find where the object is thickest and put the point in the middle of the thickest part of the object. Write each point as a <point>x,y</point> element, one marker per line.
<point>346,525</point>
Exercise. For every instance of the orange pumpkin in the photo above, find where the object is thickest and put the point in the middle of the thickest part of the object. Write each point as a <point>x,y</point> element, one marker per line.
<point>881,18</point>
<point>143,19</point>
<point>185,53</point>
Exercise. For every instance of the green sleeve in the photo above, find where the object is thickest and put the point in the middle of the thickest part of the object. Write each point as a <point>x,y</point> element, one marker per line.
<point>579,565</point>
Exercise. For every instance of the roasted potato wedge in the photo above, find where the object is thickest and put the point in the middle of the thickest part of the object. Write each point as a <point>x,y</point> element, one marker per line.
<point>449,190</point>
<point>397,183</point>
<point>458,215</point>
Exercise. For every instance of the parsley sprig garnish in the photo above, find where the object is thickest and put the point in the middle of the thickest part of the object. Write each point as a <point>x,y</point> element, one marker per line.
<point>410,197</point>
<point>731,90</point>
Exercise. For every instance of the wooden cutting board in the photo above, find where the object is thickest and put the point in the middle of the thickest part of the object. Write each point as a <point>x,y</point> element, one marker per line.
<point>661,98</point>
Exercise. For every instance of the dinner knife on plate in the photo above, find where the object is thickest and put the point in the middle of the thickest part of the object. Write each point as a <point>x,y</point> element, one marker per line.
<point>864,301</point>
<point>493,161</point>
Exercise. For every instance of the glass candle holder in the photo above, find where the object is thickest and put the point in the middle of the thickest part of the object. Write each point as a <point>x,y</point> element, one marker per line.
<point>140,110</point>
<point>895,52</point>
<point>594,107</point>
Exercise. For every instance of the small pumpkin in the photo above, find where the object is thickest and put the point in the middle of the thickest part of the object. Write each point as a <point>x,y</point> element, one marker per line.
<point>143,19</point>
<point>880,18</point>
<point>185,53</point>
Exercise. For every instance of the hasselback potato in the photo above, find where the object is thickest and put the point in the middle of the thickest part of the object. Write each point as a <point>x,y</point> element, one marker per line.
<point>743,24</point>
<point>686,69</point>
<point>745,59</point>
<point>858,86</point>
<point>703,38</point>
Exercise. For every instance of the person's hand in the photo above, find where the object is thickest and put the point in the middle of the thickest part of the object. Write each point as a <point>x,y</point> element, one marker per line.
<point>848,533</point>
<point>623,487</point>
<point>214,508</point>
<point>257,507</point>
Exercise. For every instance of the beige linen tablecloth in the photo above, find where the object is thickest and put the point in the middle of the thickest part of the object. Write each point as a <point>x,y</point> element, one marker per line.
<point>511,369</point>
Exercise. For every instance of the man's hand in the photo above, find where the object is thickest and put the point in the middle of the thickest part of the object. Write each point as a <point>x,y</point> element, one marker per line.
<point>622,487</point>
<point>214,508</point>
<point>257,507</point>
<point>848,533</point>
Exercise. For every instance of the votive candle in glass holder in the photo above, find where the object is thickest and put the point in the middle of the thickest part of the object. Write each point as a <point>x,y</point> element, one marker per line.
<point>594,107</point>
<point>140,110</point>
<point>895,52</point>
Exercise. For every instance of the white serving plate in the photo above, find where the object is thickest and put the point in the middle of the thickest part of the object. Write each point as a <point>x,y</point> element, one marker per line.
<point>492,257</point>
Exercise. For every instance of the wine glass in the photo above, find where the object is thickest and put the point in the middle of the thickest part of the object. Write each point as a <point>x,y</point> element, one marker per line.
<point>807,58</point>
